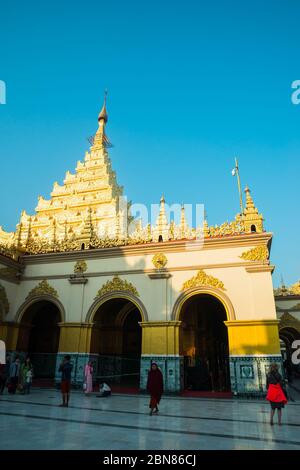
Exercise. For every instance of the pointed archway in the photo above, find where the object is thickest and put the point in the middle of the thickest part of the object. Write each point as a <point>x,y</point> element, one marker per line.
<point>204,343</point>
<point>39,333</point>
<point>117,340</point>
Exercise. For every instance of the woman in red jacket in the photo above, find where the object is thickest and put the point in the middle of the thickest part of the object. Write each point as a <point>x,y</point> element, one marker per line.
<point>275,393</point>
<point>155,387</point>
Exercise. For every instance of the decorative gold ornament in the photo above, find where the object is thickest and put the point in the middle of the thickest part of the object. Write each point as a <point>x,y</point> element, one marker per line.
<point>117,284</point>
<point>3,299</point>
<point>259,253</point>
<point>80,267</point>
<point>289,321</point>
<point>295,288</point>
<point>159,260</point>
<point>41,289</point>
<point>202,279</point>
<point>9,273</point>
<point>284,291</point>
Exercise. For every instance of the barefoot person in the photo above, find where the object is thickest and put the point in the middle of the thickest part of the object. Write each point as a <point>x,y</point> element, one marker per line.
<point>66,368</point>
<point>275,393</point>
<point>155,387</point>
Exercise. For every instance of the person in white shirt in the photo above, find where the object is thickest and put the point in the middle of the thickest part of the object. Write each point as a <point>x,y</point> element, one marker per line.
<point>105,390</point>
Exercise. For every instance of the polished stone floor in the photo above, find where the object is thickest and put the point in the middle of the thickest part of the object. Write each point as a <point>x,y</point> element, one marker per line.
<point>122,422</point>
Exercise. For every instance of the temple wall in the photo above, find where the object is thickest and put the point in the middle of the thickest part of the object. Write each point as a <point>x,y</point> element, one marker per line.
<point>248,291</point>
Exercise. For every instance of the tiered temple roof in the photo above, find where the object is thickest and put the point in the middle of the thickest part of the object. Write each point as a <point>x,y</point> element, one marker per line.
<point>84,212</point>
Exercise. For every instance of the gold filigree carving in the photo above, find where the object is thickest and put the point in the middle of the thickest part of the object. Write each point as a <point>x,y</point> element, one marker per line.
<point>3,299</point>
<point>117,284</point>
<point>80,267</point>
<point>159,260</point>
<point>295,288</point>
<point>43,288</point>
<point>203,279</point>
<point>284,291</point>
<point>289,321</point>
<point>259,253</point>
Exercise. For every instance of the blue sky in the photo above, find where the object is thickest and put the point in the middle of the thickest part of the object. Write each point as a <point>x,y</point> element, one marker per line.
<point>191,85</point>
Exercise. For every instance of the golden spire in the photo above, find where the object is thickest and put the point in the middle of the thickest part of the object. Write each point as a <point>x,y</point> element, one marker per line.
<point>253,221</point>
<point>206,231</point>
<point>183,224</point>
<point>103,113</point>
<point>161,231</point>
<point>101,140</point>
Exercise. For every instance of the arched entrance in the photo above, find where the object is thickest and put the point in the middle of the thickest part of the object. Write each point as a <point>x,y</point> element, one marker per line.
<point>287,336</point>
<point>39,336</point>
<point>204,344</point>
<point>117,339</point>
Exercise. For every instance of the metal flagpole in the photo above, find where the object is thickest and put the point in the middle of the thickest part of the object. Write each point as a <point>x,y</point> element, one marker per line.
<point>239,185</point>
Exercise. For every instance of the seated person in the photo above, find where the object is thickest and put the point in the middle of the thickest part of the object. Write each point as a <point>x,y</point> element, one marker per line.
<point>104,390</point>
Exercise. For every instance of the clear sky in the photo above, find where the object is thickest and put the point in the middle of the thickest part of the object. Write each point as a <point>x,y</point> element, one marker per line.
<point>191,85</point>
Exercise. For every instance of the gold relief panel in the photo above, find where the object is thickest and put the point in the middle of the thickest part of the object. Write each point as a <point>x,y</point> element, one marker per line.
<point>117,284</point>
<point>43,288</point>
<point>259,253</point>
<point>202,279</point>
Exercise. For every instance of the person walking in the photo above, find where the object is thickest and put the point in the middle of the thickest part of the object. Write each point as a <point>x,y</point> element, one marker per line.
<point>88,377</point>
<point>14,374</point>
<point>275,394</point>
<point>155,387</point>
<point>26,374</point>
<point>66,369</point>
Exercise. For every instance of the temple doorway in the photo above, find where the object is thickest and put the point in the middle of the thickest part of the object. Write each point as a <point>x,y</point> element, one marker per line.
<point>39,337</point>
<point>117,339</point>
<point>204,344</point>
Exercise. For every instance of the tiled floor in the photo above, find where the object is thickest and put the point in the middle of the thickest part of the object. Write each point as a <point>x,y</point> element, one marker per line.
<point>122,422</point>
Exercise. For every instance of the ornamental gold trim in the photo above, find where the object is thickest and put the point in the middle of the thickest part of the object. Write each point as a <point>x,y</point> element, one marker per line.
<point>4,299</point>
<point>43,288</point>
<point>295,288</point>
<point>259,253</point>
<point>117,284</point>
<point>159,260</point>
<point>80,267</point>
<point>289,321</point>
<point>203,279</point>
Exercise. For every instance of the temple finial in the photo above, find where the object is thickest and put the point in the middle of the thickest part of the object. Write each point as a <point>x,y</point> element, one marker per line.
<point>103,113</point>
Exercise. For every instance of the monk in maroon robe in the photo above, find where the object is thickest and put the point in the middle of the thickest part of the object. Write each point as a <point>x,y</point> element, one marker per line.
<point>155,387</point>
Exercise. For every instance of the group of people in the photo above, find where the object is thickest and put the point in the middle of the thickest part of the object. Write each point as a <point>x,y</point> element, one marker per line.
<point>276,390</point>
<point>66,368</point>
<point>16,375</point>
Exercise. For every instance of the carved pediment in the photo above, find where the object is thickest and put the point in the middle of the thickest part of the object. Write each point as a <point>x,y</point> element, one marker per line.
<point>203,279</point>
<point>43,288</point>
<point>117,284</point>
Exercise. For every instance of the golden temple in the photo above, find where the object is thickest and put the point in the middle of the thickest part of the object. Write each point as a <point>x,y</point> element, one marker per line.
<point>84,212</point>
